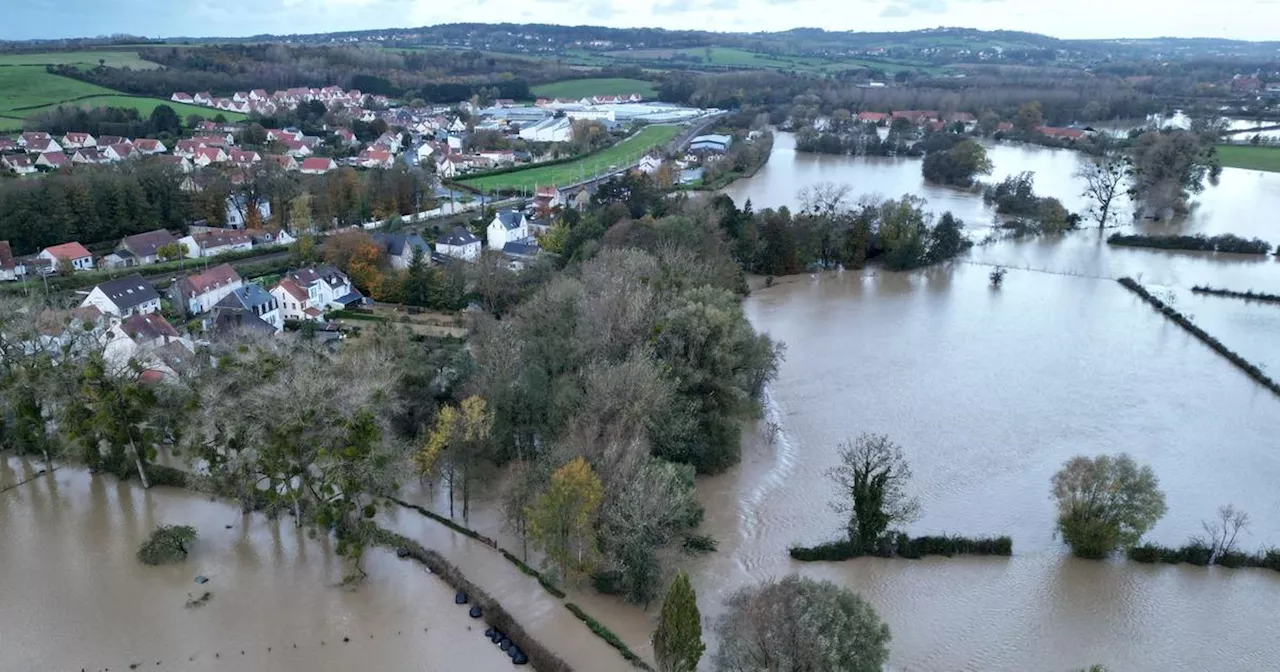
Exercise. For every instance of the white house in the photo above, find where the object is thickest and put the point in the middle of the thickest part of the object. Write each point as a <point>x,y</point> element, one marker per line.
<point>305,294</point>
<point>73,253</point>
<point>78,141</point>
<point>20,164</point>
<point>145,247</point>
<point>149,146</point>
<point>199,293</point>
<point>213,243</point>
<point>650,164</point>
<point>459,244</point>
<point>238,211</point>
<point>317,166</point>
<point>424,151</point>
<point>124,297</point>
<point>446,167</point>
<point>508,226</point>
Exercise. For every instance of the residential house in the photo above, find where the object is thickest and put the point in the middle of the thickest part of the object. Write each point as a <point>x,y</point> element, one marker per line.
<point>305,294</point>
<point>149,146</point>
<point>145,247</point>
<point>208,155</point>
<point>389,141</point>
<point>199,293</point>
<point>296,148</point>
<point>266,237</point>
<point>711,143</point>
<point>1070,134</point>
<point>239,211</point>
<point>215,242</point>
<point>375,158</point>
<point>280,135</point>
<point>446,166</point>
<point>20,164</point>
<point>89,156</point>
<point>459,244</point>
<point>202,98</point>
<point>400,248</point>
<point>183,164</point>
<point>118,259</point>
<point>546,199</point>
<point>8,144</point>
<point>186,148</point>
<point>249,307</point>
<point>53,160</point>
<point>499,157</point>
<point>182,98</point>
<point>10,269</point>
<point>519,254</point>
<point>120,151</point>
<point>317,166</point>
<point>223,140</point>
<point>149,330</point>
<point>147,339</point>
<point>424,151</point>
<point>650,164</point>
<point>508,226</point>
<point>42,146</point>
<point>105,140</point>
<point>873,117</point>
<point>285,161</point>
<point>78,141</point>
<point>71,253</point>
<point>347,137</point>
<point>35,138</point>
<point>124,297</point>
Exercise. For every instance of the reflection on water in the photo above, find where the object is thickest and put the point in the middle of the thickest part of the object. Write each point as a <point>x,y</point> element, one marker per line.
<point>72,594</point>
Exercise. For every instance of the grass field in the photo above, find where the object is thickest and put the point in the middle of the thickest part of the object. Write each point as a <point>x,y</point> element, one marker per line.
<point>624,152</point>
<point>112,59</point>
<point>580,88</point>
<point>144,106</point>
<point>1250,157</point>
<point>27,89</point>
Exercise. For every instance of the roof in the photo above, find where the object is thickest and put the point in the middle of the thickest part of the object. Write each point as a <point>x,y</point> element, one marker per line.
<point>521,249</point>
<point>149,327</point>
<point>249,296</point>
<point>305,277</point>
<point>129,291</point>
<point>714,138</point>
<point>229,319</point>
<point>6,256</point>
<point>458,237</point>
<point>147,244</point>
<point>55,158</point>
<point>394,243</point>
<point>206,281</point>
<point>292,289</point>
<point>68,251</point>
<point>221,238</point>
<point>511,219</point>
<point>317,163</point>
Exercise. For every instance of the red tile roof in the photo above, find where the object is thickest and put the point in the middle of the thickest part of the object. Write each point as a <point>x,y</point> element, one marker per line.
<point>203,282</point>
<point>317,163</point>
<point>149,327</point>
<point>292,289</point>
<point>68,251</point>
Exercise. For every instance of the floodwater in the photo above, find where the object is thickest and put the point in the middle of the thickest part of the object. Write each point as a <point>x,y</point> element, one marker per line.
<point>73,596</point>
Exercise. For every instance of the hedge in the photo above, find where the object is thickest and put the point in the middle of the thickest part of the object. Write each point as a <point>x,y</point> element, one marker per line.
<point>1226,242</point>
<point>1248,295</point>
<point>1244,365</point>
<point>1200,555</point>
<point>903,546</point>
<point>546,583</point>
<point>608,635</point>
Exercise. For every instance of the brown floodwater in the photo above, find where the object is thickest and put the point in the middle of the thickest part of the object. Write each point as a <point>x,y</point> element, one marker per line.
<point>73,596</point>
<point>988,391</point>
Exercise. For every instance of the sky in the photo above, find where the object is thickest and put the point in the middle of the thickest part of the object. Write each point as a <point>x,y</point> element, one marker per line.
<point>1236,19</point>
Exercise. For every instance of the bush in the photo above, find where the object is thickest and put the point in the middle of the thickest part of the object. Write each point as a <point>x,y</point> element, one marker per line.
<point>1222,243</point>
<point>159,474</point>
<point>1198,554</point>
<point>700,543</point>
<point>168,543</point>
<point>903,546</point>
<point>608,635</point>
<point>1249,295</point>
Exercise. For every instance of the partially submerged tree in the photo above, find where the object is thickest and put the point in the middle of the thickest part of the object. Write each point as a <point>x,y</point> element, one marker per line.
<point>562,520</point>
<point>168,543</point>
<point>1105,503</point>
<point>871,479</point>
<point>1104,177</point>
<point>800,625</point>
<point>677,642</point>
<point>1167,167</point>
<point>1222,532</point>
<point>457,448</point>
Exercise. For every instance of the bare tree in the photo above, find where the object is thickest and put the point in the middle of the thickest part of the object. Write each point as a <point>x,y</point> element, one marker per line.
<point>1104,178</point>
<point>824,198</point>
<point>1222,532</point>
<point>872,477</point>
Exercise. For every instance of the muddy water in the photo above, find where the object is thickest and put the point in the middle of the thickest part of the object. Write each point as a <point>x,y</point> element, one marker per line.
<point>73,596</point>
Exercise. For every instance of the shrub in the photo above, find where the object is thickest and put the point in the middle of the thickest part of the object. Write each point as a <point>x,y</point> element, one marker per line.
<point>903,546</point>
<point>608,635</point>
<point>1221,243</point>
<point>168,543</point>
<point>700,543</point>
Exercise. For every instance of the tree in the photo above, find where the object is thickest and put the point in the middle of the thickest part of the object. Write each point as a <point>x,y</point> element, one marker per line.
<point>957,165</point>
<point>800,625</point>
<point>1104,503</point>
<point>165,120</point>
<point>1168,166</point>
<point>947,238</point>
<point>871,480</point>
<point>1103,178</point>
<point>171,251</point>
<point>1222,532</point>
<point>677,642</point>
<point>1029,118</point>
<point>457,447</point>
<point>168,543</point>
<point>561,521</point>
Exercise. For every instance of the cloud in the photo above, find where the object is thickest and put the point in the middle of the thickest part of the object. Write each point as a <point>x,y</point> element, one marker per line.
<point>599,9</point>
<point>900,8</point>
<point>673,7</point>
<point>723,4</point>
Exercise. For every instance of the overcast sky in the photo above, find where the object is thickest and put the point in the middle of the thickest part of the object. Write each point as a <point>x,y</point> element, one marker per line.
<point>1239,19</point>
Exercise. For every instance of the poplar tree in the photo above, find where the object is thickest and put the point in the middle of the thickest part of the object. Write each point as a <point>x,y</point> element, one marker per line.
<point>677,643</point>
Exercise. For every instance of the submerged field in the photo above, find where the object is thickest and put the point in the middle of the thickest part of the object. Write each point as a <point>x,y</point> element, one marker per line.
<point>621,154</point>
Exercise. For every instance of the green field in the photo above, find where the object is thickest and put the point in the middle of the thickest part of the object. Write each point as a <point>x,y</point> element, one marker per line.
<point>145,105</point>
<point>1250,157</point>
<point>581,88</point>
<point>624,152</point>
<point>112,59</point>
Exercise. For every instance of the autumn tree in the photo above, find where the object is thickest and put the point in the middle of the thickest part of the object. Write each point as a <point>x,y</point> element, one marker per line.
<point>1029,118</point>
<point>457,448</point>
<point>677,642</point>
<point>799,625</point>
<point>562,519</point>
<point>357,254</point>
<point>871,483</point>
<point>1104,503</point>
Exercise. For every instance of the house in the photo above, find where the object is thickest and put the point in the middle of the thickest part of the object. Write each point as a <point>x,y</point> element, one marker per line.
<point>106,140</point>
<point>182,98</point>
<point>499,157</point>
<point>89,156</point>
<point>223,140</point>
<point>118,259</point>
<point>119,151</point>
<point>550,129</point>
<point>42,146</point>
<point>400,247</point>
<point>71,253</point>
<point>1004,127</point>
<point>245,307</point>
<point>305,294</point>
<point>124,297</point>
<point>35,139</point>
<point>265,237</point>
<point>145,338</point>
<point>424,151</point>
<point>181,163</point>
<point>8,144</point>
<point>650,164</point>
<point>446,167</point>
<point>280,135</point>
<point>199,293</point>
<point>375,158</point>
<point>459,244</point>
<point>691,176</point>
<point>239,212</point>
<point>296,148</point>
<point>284,161</point>
<point>20,164</point>
<point>208,155</point>
<point>149,329</point>
<point>873,117</point>
<point>186,148</point>
<point>53,160</point>
<point>215,242</point>
<point>507,226</point>
<point>10,269</point>
<point>317,166</point>
<point>202,98</point>
<point>145,247</point>
<point>78,141</point>
<point>1070,134</point>
<point>711,143</point>
<point>149,146</point>
<point>346,136</point>
<point>520,253</point>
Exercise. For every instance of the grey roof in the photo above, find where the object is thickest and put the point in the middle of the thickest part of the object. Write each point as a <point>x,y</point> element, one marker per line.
<point>238,319</point>
<point>306,277</point>
<point>146,244</point>
<point>249,296</point>
<point>458,237</point>
<point>394,243</point>
<point>510,219</point>
<point>129,291</point>
<point>521,249</point>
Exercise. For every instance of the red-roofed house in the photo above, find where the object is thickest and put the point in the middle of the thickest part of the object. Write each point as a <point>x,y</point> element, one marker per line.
<point>149,146</point>
<point>180,162</point>
<point>213,243</point>
<point>1062,133</point>
<point>243,157</point>
<point>285,161</point>
<point>182,98</point>
<point>53,160</point>
<point>207,155</point>
<point>41,145</point>
<point>29,137</point>
<point>295,148</point>
<point>88,155</point>
<point>20,164</point>
<point>73,253</point>
<point>874,117</point>
<point>317,166</point>
<point>198,293</point>
<point>375,158</point>
<point>78,140</point>
<point>119,152</point>
<point>346,136</point>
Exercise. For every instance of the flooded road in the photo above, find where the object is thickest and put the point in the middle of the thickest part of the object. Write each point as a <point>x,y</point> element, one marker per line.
<point>72,594</point>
